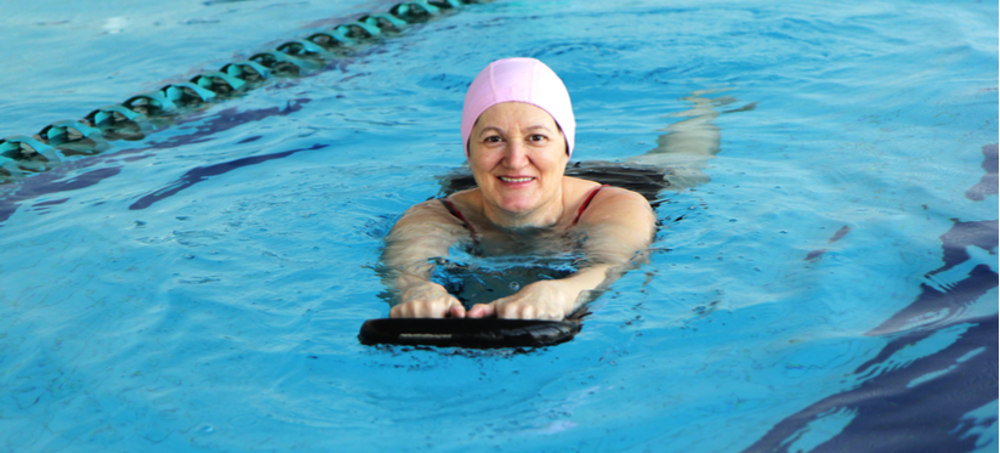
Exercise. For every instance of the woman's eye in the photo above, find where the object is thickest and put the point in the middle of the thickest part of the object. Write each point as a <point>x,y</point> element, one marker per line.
<point>537,138</point>
<point>492,139</point>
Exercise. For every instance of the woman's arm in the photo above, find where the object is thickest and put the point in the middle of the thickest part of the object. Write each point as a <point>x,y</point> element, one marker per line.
<point>619,226</point>
<point>424,232</point>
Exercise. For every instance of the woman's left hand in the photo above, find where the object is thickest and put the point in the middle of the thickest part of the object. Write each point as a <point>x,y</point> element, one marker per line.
<point>546,299</point>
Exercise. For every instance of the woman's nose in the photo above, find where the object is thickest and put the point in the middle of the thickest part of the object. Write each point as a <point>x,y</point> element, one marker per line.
<point>517,154</point>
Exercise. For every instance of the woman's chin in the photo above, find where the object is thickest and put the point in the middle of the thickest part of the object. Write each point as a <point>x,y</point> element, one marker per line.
<point>518,207</point>
<point>515,210</point>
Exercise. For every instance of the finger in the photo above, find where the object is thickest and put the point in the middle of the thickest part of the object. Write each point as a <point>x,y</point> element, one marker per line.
<point>417,309</point>
<point>457,310</point>
<point>444,307</point>
<point>551,315</point>
<point>528,311</point>
<point>482,310</point>
<point>511,311</point>
<point>435,309</point>
<point>403,310</point>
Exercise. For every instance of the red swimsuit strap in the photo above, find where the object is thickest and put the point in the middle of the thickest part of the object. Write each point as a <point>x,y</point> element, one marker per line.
<point>586,203</point>
<point>450,205</point>
<point>458,214</point>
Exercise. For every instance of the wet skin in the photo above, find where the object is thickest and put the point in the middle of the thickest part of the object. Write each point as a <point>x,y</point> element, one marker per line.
<point>518,156</point>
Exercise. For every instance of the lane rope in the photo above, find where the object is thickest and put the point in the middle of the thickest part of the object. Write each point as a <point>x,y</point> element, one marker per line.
<point>21,155</point>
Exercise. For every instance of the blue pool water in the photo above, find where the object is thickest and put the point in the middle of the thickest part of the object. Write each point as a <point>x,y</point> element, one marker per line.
<point>829,282</point>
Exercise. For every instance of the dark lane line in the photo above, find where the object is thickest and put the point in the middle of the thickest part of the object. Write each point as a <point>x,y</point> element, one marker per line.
<point>200,174</point>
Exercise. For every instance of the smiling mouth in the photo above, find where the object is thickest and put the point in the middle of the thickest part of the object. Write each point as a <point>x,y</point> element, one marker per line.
<point>506,179</point>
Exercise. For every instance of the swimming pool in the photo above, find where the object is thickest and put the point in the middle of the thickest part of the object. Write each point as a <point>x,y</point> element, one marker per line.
<point>831,287</point>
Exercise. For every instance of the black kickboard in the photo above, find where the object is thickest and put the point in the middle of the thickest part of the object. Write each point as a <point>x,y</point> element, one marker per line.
<point>479,333</point>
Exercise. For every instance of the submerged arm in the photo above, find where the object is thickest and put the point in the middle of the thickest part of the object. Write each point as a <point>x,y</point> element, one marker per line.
<point>619,227</point>
<point>425,231</point>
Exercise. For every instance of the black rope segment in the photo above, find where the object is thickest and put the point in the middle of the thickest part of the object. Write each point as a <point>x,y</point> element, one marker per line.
<point>133,119</point>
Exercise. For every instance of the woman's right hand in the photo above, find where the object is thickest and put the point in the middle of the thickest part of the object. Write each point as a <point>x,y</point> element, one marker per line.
<point>427,300</point>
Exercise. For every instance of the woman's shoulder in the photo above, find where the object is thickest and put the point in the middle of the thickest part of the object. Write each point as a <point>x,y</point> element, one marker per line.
<point>575,187</point>
<point>433,210</point>
<point>428,218</point>
<point>466,199</point>
<point>579,191</point>
<point>600,203</point>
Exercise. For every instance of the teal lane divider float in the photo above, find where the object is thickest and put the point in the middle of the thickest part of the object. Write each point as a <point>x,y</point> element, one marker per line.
<point>21,155</point>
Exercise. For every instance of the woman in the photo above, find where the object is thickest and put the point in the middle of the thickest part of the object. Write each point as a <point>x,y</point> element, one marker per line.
<point>518,132</point>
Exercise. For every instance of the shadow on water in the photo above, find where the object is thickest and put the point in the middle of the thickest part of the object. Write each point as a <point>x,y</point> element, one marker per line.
<point>48,183</point>
<point>206,127</point>
<point>921,406</point>
<point>816,254</point>
<point>200,174</point>
<point>988,183</point>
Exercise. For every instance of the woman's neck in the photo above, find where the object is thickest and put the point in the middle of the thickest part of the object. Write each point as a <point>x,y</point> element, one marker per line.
<point>545,216</point>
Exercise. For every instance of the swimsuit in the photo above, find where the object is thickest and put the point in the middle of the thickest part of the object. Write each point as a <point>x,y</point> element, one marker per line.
<point>472,281</point>
<point>455,212</point>
<point>590,198</point>
<point>458,214</point>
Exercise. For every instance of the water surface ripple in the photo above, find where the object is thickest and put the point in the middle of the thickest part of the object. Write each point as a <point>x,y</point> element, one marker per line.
<point>824,279</point>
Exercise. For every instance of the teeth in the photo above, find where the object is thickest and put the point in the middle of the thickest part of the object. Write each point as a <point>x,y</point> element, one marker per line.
<point>506,179</point>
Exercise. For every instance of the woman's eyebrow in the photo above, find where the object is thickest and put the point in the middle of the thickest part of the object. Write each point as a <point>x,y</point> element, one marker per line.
<point>537,126</point>
<point>488,128</point>
<point>500,131</point>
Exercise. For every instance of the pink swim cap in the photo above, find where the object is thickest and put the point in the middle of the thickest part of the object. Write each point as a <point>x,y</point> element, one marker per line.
<point>519,80</point>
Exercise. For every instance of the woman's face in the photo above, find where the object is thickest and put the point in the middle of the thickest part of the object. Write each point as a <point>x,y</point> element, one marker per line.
<point>518,156</point>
